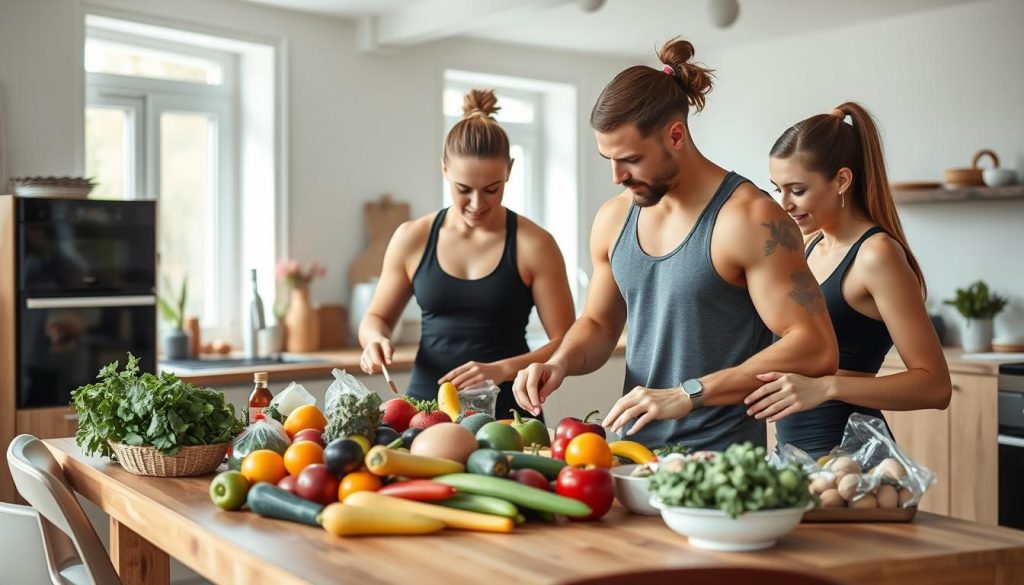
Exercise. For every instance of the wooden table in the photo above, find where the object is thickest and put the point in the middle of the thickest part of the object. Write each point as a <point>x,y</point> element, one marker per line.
<point>152,518</point>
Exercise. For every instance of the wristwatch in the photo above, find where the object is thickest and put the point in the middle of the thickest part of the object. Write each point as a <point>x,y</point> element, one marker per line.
<point>695,390</point>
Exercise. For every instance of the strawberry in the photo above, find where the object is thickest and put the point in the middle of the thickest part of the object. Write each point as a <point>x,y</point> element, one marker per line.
<point>427,418</point>
<point>397,413</point>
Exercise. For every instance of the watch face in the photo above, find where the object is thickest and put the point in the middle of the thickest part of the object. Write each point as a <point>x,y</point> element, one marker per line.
<point>692,386</point>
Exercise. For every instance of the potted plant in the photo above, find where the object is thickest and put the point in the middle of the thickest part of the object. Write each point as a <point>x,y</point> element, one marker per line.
<point>302,325</point>
<point>175,340</point>
<point>978,305</point>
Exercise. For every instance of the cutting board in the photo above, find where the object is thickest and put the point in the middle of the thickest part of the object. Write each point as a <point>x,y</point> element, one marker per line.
<point>381,218</point>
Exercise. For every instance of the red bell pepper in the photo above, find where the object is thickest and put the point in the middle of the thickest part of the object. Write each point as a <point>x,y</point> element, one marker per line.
<point>570,427</point>
<point>421,490</point>
<point>594,487</point>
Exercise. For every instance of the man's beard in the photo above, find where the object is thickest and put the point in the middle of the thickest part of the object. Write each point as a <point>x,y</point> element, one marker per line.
<point>656,189</point>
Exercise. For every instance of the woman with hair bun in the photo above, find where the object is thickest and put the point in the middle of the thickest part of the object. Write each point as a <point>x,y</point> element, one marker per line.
<point>476,269</point>
<point>832,180</point>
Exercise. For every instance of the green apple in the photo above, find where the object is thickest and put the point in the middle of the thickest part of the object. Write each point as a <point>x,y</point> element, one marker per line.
<point>228,490</point>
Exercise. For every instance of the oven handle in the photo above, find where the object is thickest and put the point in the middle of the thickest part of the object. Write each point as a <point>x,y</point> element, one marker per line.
<point>1011,441</point>
<point>90,302</point>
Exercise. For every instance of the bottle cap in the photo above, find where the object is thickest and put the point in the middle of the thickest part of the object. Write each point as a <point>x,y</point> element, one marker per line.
<point>260,377</point>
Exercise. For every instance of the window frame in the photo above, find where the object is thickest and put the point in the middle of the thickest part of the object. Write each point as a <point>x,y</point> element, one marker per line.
<point>148,98</point>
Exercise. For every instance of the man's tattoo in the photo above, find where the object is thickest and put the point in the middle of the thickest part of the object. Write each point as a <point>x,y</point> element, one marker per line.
<point>807,292</point>
<point>783,233</point>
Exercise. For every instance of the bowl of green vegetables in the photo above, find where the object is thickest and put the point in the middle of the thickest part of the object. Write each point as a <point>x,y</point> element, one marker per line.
<point>732,502</point>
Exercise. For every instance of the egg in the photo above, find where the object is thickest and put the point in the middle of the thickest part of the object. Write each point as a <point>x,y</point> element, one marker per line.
<point>822,483</point>
<point>847,487</point>
<point>832,499</point>
<point>866,501</point>
<point>844,465</point>
<point>891,469</point>
<point>445,440</point>
<point>905,496</point>
<point>887,496</point>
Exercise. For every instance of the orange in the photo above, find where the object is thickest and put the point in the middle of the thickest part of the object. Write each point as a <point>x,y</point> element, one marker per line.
<point>301,454</point>
<point>305,417</point>
<point>357,481</point>
<point>263,465</point>
<point>589,449</point>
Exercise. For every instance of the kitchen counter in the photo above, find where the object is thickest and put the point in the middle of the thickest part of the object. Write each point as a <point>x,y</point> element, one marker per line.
<point>316,364</point>
<point>959,362</point>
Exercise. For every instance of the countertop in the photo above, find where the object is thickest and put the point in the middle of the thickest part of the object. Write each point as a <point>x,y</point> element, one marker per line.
<point>961,363</point>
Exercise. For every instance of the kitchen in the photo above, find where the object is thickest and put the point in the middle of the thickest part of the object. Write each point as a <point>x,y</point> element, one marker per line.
<point>336,90</point>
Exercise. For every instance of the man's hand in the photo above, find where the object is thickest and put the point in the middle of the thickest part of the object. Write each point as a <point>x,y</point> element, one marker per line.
<point>535,383</point>
<point>645,405</point>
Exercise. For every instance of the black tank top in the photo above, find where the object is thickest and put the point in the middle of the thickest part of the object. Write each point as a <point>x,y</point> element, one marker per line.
<point>863,343</point>
<point>464,320</point>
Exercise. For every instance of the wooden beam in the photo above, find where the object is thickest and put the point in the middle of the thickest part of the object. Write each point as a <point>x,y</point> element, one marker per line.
<point>8,342</point>
<point>136,560</point>
<point>422,22</point>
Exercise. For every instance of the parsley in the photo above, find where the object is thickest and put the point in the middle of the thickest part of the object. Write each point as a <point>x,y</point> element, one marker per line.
<point>159,411</point>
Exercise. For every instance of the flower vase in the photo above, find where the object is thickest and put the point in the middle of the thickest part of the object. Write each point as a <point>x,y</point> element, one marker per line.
<point>302,323</point>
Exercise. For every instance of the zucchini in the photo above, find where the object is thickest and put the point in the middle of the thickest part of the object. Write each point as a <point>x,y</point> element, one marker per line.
<point>515,492</point>
<point>451,517</point>
<point>488,462</point>
<point>383,461</point>
<point>270,501</point>
<point>482,504</point>
<point>546,465</point>
<point>344,520</point>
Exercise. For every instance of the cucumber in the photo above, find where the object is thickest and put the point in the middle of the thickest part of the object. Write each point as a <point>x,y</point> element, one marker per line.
<point>546,465</point>
<point>515,492</point>
<point>271,501</point>
<point>481,504</point>
<point>488,462</point>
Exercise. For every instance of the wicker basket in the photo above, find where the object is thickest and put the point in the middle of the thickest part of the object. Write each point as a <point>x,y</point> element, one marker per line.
<point>197,460</point>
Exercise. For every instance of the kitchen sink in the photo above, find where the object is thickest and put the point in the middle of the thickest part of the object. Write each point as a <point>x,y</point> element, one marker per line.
<point>218,363</point>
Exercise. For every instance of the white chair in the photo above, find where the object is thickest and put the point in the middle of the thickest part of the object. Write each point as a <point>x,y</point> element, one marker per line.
<point>21,545</point>
<point>74,553</point>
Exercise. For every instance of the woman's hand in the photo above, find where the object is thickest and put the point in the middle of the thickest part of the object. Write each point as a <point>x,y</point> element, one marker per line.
<point>786,394</point>
<point>645,405</point>
<point>376,353</point>
<point>471,373</point>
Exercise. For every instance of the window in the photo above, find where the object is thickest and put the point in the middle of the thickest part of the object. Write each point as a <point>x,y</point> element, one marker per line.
<point>160,123</point>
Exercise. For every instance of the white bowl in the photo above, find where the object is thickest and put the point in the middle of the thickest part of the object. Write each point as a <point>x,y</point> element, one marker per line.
<point>631,491</point>
<point>715,530</point>
<point>998,177</point>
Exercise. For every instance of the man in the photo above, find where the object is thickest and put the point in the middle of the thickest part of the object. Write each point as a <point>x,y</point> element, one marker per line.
<point>701,265</point>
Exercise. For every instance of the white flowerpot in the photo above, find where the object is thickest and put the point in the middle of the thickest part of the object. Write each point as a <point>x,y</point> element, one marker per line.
<point>977,335</point>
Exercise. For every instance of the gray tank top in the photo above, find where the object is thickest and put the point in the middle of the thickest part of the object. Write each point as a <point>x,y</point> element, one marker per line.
<point>684,321</point>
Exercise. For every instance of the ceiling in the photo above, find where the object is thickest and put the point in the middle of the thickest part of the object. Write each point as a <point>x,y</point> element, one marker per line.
<point>621,27</point>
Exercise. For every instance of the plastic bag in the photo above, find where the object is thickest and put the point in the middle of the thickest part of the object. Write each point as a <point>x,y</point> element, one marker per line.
<point>265,433</point>
<point>344,383</point>
<point>872,460</point>
<point>293,396</point>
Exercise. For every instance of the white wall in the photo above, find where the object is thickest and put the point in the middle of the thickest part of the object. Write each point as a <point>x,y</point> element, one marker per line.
<point>943,84</point>
<point>358,125</point>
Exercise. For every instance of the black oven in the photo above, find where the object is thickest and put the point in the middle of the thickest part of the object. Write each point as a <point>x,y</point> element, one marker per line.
<point>1011,445</point>
<point>86,274</point>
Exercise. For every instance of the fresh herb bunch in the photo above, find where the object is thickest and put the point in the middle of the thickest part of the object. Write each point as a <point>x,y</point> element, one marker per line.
<point>353,415</point>
<point>159,411</point>
<point>673,448</point>
<point>272,412</point>
<point>738,480</point>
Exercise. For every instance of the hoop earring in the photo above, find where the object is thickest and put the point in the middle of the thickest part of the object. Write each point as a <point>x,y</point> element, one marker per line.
<point>842,199</point>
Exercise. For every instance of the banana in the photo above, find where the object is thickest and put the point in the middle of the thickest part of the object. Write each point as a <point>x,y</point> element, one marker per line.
<point>448,400</point>
<point>631,450</point>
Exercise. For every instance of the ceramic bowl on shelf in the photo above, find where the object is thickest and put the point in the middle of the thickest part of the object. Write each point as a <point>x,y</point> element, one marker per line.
<point>713,529</point>
<point>999,177</point>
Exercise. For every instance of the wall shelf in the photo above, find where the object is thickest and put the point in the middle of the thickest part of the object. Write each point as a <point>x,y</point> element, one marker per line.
<point>910,196</point>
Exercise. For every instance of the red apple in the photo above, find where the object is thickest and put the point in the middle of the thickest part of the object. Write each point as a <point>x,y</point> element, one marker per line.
<point>287,483</point>
<point>309,435</point>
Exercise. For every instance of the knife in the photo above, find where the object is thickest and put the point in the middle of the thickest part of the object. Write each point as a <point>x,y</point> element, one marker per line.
<point>387,377</point>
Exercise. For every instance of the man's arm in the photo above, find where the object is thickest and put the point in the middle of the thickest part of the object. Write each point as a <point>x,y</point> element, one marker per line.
<point>590,341</point>
<point>766,246</point>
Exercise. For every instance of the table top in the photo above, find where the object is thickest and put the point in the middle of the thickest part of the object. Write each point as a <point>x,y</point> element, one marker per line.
<point>176,515</point>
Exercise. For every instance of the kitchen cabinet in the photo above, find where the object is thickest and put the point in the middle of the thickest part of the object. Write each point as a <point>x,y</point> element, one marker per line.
<point>47,423</point>
<point>959,445</point>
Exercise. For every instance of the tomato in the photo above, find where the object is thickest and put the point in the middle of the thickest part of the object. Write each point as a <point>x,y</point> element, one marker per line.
<point>301,455</point>
<point>358,481</point>
<point>263,465</point>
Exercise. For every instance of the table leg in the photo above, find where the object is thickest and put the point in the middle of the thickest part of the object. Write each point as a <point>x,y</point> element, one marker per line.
<point>135,559</point>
